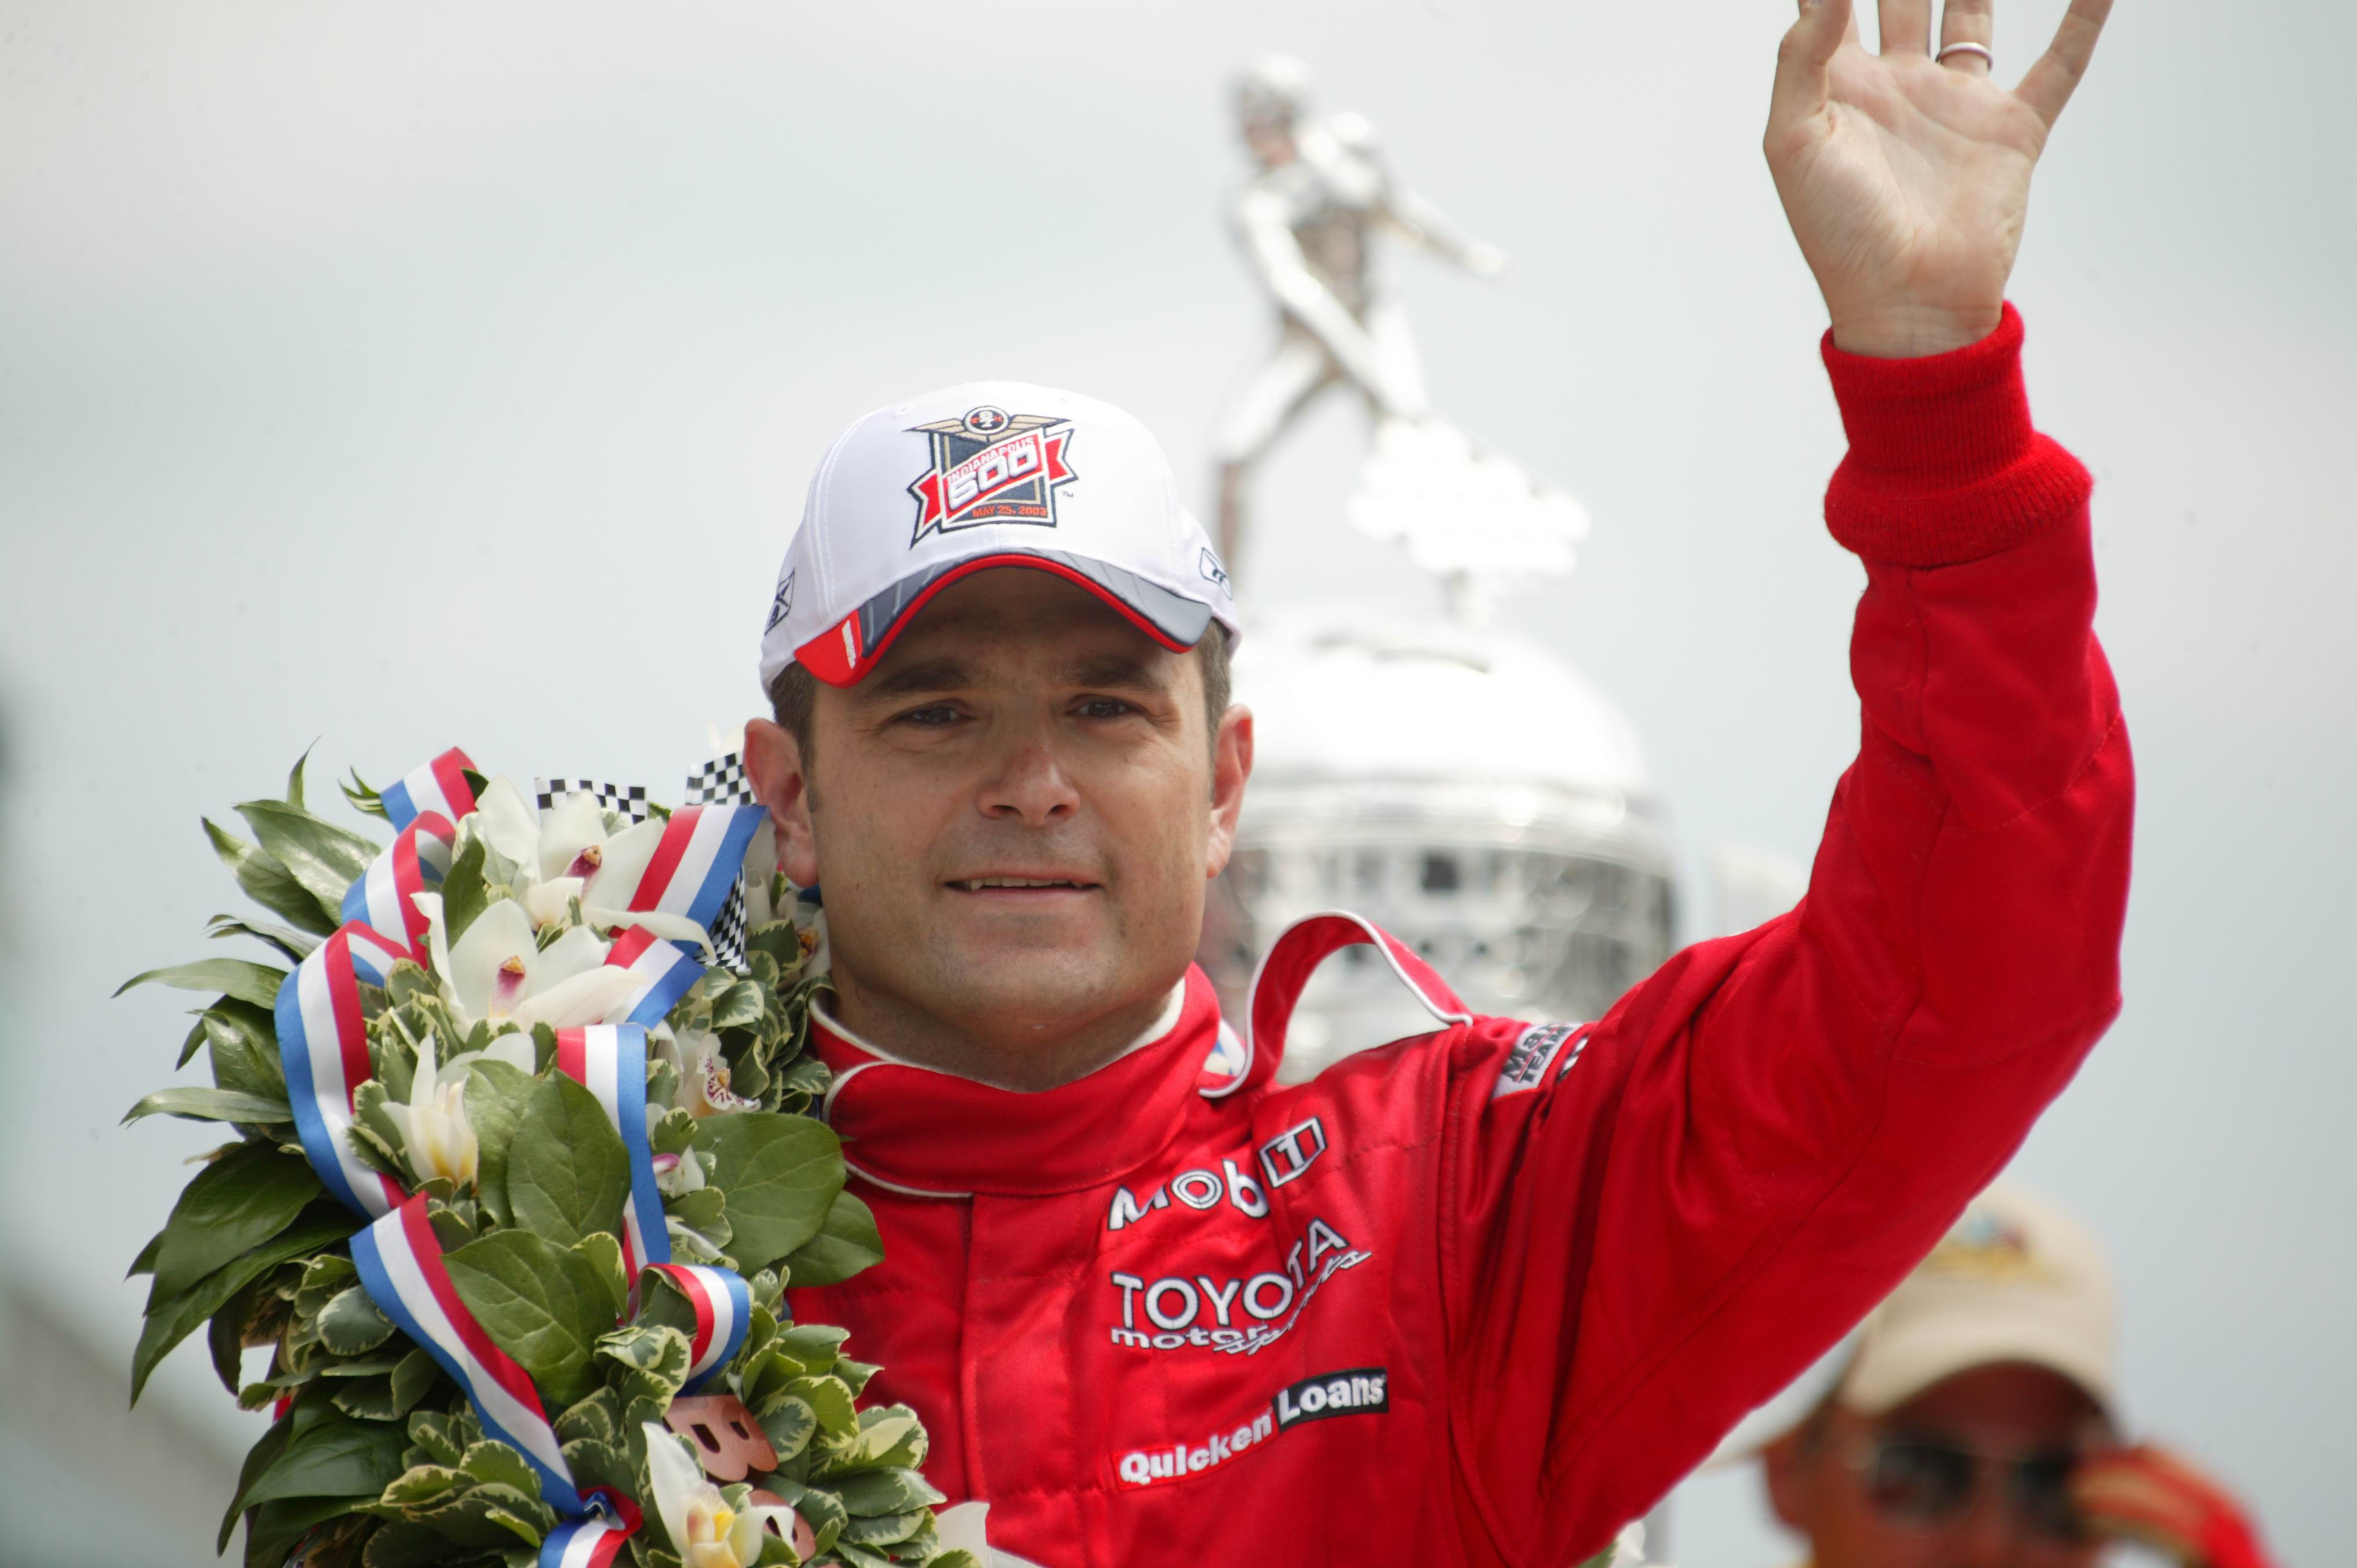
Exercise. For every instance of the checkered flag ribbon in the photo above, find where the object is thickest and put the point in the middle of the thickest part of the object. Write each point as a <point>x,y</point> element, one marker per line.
<point>631,802</point>
<point>721,782</point>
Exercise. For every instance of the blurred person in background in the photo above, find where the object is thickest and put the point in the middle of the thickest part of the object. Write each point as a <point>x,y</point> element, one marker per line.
<point>1976,1422</point>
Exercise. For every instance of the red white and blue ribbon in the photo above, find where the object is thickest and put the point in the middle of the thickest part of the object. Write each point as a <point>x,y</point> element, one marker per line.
<point>696,861</point>
<point>585,1544</point>
<point>610,1061</point>
<point>440,787</point>
<point>384,898</point>
<point>724,1310</point>
<point>400,1260</point>
<point>323,1047</point>
<point>667,972</point>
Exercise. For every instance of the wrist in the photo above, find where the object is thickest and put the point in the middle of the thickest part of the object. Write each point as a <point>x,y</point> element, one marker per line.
<point>1913,331</point>
<point>1945,466</point>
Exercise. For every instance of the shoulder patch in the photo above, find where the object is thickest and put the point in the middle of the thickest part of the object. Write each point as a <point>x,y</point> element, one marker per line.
<point>1526,1065</point>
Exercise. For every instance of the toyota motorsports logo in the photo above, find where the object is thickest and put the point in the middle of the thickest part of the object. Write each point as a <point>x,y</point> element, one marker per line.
<point>991,465</point>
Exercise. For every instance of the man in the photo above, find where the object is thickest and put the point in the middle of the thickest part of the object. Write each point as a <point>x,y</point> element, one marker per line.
<point>1482,1296</point>
<point>1976,1422</point>
<point>1308,222</point>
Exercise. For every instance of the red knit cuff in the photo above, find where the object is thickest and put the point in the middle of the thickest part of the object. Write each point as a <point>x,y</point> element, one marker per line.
<point>1943,464</point>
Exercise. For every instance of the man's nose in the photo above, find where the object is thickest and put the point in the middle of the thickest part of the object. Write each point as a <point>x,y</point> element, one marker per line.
<point>1027,782</point>
<point>1990,1535</point>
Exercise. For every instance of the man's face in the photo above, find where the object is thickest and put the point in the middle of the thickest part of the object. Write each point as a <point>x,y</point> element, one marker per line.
<point>1878,1491</point>
<point>1013,818</point>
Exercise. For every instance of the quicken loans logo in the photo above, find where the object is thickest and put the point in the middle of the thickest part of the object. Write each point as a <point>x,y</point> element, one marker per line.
<point>1364,1390</point>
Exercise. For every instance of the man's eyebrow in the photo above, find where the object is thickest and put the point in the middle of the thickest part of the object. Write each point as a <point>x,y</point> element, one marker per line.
<point>1114,669</point>
<point>943,675</point>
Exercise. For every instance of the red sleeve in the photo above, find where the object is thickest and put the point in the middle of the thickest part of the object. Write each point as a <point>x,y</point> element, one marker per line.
<point>1685,1205</point>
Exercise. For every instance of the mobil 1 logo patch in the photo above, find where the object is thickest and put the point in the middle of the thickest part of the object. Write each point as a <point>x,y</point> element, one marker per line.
<point>1363,1390</point>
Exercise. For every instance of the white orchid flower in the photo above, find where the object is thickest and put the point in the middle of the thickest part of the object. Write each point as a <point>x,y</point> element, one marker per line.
<point>434,1126</point>
<point>703,1529</point>
<point>703,1076</point>
<point>499,972</point>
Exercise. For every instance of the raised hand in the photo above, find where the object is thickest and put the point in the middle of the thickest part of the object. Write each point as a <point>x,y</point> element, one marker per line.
<point>1907,180</point>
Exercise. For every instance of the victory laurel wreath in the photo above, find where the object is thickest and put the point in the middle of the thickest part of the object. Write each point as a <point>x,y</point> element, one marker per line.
<point>522,1171</point>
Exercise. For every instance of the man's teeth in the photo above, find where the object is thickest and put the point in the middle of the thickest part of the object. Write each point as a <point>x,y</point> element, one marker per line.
<point>975,884</point>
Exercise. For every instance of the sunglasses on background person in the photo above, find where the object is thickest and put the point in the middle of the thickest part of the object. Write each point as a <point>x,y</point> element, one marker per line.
<point>1931,1481</point>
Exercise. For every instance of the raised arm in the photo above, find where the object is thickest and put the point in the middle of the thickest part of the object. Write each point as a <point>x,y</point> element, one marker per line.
<point>1699,1195</point>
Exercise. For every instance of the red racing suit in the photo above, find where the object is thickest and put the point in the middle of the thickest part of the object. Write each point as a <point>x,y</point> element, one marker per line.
<point>1482,1296</point>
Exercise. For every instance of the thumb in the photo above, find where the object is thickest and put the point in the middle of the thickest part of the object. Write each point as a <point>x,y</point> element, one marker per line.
<point>1802,59</point>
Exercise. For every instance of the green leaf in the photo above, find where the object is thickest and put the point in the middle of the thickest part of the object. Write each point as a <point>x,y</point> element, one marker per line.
<point>464,893</point>
<point>350,1325</point>
<point>780,1175</point>
<point>494,1461</point>
<point>830,1401</point>
<point>247,1196</point>
<point>254,982</point>
<point>847,1242</point>
<point>334,1457</point>
<point>542,1304</point>
<point>881,1531</point>
<point>211,1105</point>
<point>604,1250</point>
<point>270,885</point>
<point>171,1321</point>
<point>295,776</point>
<point>809,1347</point>
<point>737,1006</point>
<point>436,1434</point>
<point>364,797</point>
<point>791,1423</point>
<point>292,945</point>
<point>144,1263</point>
<point>886,1492</point>
<point>568,1173</point>
<point>496,1095</point>
<point>323,857</point>
<point>242,1044</point>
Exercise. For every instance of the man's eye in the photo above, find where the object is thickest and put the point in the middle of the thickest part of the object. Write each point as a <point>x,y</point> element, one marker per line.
<point>932,717</point>
<point>1102,708</point>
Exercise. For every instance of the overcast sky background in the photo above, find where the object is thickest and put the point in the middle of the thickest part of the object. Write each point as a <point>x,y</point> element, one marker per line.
<point>432,374</point>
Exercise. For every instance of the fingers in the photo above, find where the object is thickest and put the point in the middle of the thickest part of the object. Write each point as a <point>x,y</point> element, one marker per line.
<point>1906,27</point>
<point>1802,62</point>
<point>2056,76</point>
<point>1967,22</point>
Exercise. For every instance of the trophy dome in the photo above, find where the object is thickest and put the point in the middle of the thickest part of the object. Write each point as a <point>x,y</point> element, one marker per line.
<point>1467,790</point>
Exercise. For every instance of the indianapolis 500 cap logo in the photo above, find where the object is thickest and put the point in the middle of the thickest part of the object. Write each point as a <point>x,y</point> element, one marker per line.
<point>991,466</point>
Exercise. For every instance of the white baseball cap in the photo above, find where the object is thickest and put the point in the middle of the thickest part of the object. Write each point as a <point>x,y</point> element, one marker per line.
<point>913,497</point>
<point>2015,1279</point>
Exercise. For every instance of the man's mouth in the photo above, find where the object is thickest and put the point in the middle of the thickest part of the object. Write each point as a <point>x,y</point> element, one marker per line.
<point>1021,884</point>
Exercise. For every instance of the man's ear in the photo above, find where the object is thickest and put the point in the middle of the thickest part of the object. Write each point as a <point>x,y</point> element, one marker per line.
<point>1232,760</point>
<point>773,761</point>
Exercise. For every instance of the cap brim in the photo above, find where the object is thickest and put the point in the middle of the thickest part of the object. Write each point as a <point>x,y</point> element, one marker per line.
<point>1895,1369</point>
<point>847,650</point>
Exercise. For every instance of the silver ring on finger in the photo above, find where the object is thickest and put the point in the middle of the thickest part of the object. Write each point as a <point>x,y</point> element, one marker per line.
<point>1987,58</point>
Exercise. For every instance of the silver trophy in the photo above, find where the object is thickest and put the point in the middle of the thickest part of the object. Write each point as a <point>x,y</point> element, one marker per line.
<point>1467,790</point>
